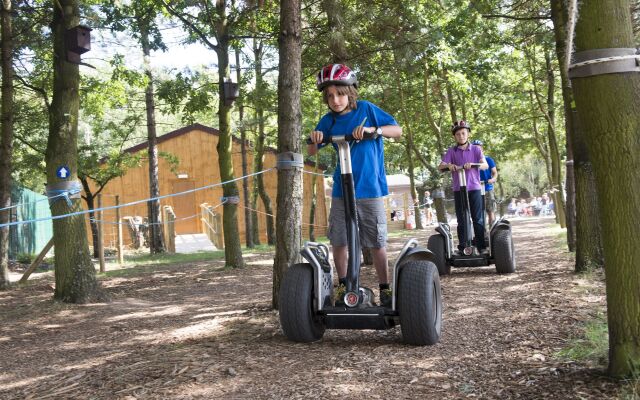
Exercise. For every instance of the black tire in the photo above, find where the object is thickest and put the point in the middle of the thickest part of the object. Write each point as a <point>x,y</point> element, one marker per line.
<point>504,252</point>
<point>420,303</point>
<point>436,245</point>
<point>297,317</point>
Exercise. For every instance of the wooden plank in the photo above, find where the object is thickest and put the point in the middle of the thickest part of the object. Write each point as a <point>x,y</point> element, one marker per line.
<point>36,263</point>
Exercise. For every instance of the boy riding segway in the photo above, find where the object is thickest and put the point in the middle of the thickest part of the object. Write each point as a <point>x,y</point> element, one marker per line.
<point>413,299</point>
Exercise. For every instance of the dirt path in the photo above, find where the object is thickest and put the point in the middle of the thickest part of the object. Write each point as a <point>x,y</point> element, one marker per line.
<point>196,331</point>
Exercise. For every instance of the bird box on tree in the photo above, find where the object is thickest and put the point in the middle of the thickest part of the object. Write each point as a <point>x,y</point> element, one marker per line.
<point>78,41</point>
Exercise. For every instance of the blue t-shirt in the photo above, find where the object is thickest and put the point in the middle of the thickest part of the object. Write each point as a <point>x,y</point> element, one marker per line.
<point>367,156</point>
<point>472,154</point>
<point>485,174</point>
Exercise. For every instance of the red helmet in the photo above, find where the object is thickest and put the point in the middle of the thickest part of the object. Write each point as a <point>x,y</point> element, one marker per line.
<point>460,125</point>
<point>336,74</point>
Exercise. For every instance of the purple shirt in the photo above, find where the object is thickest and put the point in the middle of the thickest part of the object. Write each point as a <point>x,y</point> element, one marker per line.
<point>473,154</point>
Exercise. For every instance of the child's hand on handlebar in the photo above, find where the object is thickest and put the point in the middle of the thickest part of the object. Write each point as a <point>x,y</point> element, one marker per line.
<point>358,132</point>
<point>467,165</point>
<point>316,137</point>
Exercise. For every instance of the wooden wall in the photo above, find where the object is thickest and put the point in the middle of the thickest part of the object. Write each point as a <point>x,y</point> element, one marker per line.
<point>196,151</point>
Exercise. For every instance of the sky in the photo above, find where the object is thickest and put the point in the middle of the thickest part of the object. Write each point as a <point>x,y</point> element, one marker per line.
<point>178,57</point>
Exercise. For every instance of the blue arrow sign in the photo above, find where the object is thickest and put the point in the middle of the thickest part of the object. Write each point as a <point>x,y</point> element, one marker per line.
<point>63,172</point>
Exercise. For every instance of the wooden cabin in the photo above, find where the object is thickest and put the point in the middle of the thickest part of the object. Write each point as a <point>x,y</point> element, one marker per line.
<point>195,148</point>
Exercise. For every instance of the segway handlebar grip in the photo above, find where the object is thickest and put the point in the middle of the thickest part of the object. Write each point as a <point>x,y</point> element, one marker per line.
<point>326,139</point>
<point>473,165</point>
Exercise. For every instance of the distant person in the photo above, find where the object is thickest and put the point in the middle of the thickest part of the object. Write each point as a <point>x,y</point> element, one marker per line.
<point>512,208</point>
<point>462,155</point>
<point>348,115</point>
<point>489,177</point>
<point>428,208</point>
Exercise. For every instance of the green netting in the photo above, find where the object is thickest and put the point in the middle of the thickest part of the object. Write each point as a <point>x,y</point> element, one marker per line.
<point>28,238</point>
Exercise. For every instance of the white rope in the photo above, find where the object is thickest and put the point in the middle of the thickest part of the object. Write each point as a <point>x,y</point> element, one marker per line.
<point>604,59</point>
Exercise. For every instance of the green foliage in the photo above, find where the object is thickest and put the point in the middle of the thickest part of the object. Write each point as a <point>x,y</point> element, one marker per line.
<point>525,177</point>
<point>189,94</point>
<point>25,258</point>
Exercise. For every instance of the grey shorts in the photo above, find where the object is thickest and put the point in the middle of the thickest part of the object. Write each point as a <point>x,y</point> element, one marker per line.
<point>372,223</point>
<point>490,201</point>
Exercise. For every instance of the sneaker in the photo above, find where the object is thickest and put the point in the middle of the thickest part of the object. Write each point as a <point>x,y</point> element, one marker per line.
<point>385,297</point>
<point>338,295</point>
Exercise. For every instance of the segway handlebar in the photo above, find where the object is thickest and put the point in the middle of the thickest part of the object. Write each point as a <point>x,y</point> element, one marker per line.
<point>459,167</point>
<point>326,139</point>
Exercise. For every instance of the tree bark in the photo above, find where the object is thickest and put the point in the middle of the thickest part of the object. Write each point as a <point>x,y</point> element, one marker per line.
<point>289,200</point>
<point>554,151</point>
<point>609,112</point>
<point>585,237</point>
<point>409,149</point>
<point>156,242</point>
<point>89,198</point>
<point>337,47</point>
<point>75,275</point>
<point>260,144</point>
<point>232,249</point>
<point>6,139</point>
<point>248,229</point>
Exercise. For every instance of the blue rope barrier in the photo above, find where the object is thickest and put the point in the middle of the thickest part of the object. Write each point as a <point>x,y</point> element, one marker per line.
<point>83,212</point>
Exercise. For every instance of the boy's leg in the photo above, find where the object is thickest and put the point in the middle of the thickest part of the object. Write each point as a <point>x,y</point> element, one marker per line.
<point>337,234</point>
<point>475,203</point>
<point>380,262</point>
<point>340,255</point>
<point>373,234</point>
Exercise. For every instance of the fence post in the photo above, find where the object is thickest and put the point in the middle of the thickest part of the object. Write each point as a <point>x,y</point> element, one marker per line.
<point>120,246</point>
<point>218,227</point>
<point>100,236</point>
<point>171,222</point>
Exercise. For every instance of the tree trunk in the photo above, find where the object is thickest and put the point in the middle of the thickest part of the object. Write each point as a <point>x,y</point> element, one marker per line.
<point>156,242</point>
<point>75,275</point>
<point>289,201</point>
<point>333,9</point>
<point>255,223</point>
<point>89,198</point>
<point>248,229</point>
<point>449,89</point>
<point>232,249</point>
<point>6,139</point>
<point>581,188</point>
<point>260,143</point>
<point>409,149</point>
<point>609,112</point>
<point>554,151</point>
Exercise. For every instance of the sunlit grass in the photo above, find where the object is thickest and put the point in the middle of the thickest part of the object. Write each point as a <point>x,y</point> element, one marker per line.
<point>592,346</point>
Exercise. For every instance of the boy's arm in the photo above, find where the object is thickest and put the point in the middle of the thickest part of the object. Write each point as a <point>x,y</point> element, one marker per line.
<point>494,175</point>
<point>316,137</point>
<point>391,131</point>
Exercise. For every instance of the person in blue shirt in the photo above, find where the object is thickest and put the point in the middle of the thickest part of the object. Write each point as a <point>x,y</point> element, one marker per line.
<point>489,177</point>
<point>338,84</point>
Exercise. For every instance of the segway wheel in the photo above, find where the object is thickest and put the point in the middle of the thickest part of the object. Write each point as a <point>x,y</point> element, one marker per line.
<point>504,252</point>
<point>297,316</point>
<point>420,303</point>
<point>436,245</point>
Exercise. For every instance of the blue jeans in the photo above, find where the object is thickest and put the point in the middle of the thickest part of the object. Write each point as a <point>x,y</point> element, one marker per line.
<point>477,216</point>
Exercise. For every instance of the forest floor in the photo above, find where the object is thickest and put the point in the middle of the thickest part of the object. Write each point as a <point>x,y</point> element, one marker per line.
<point>198,331</point>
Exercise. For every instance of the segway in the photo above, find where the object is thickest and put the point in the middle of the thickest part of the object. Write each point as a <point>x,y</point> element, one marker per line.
<point>307,307</point>
<point>500,246</point>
